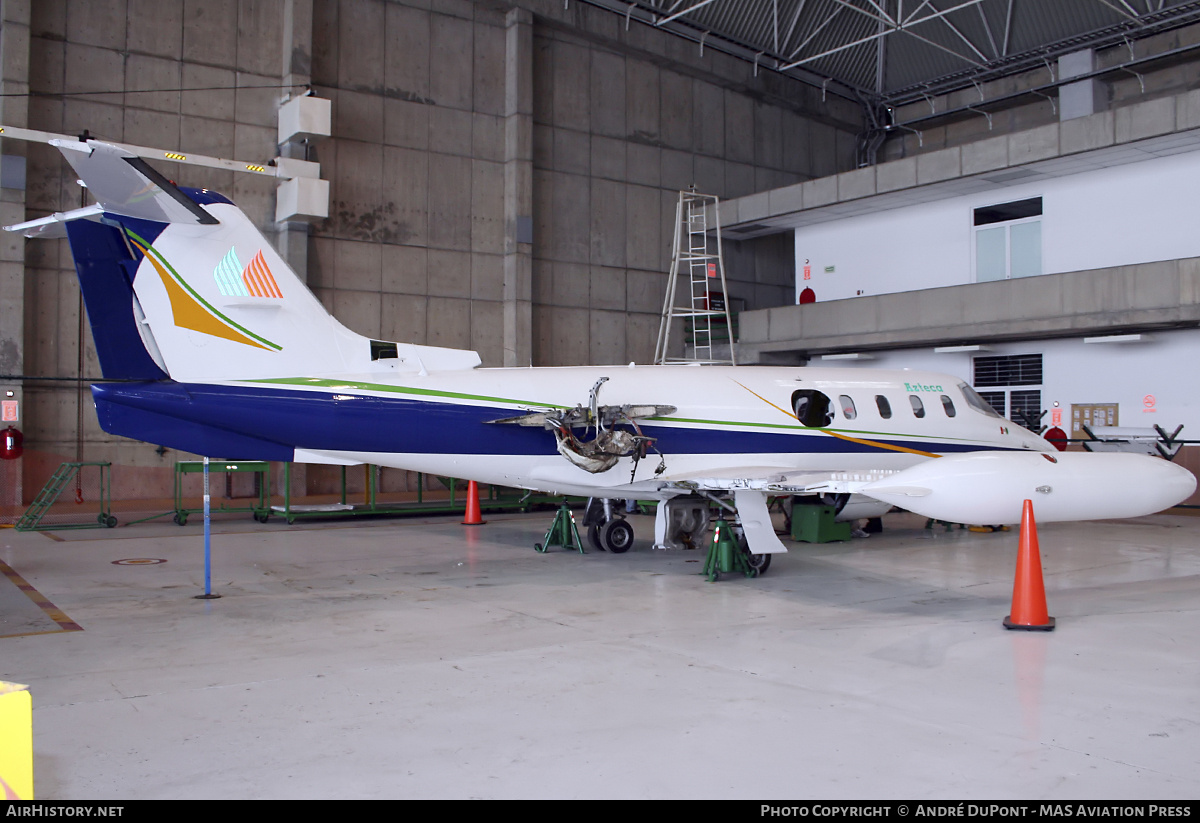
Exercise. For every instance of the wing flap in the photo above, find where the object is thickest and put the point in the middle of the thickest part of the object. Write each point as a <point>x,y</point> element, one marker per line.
<point>775,480</point>
<point>756,522</point>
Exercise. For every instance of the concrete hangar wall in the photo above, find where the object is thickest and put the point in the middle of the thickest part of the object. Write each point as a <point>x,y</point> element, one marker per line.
<point>452,121</point>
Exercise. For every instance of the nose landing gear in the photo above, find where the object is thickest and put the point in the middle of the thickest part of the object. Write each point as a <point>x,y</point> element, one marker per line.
<point>608,530</point>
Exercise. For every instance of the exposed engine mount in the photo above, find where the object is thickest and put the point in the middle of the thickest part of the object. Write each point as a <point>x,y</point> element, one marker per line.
<point>609,444</point>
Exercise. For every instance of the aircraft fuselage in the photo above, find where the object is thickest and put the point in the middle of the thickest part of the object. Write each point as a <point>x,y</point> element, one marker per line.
<point>726,418</point>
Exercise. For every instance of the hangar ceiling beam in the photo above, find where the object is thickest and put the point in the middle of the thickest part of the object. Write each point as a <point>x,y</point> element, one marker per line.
<point>791,27</point>
<point>1008,14</point>
<point>1121,7</point>
<point>950,44</point>
<point>677,15</point>
<point>987,28</point>
<point>906,29</point>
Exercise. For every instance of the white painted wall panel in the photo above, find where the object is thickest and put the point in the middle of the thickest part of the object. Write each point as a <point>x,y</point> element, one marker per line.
<point>1135,213</point>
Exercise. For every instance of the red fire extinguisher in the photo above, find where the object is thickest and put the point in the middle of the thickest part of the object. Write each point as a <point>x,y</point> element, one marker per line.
<point>12,444</point>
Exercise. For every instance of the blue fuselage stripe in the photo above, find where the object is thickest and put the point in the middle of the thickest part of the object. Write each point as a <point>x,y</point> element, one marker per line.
<point>356,423</point>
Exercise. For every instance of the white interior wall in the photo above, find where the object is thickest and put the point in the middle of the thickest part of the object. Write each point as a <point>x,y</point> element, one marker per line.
<point>1135,213</point>
<point>1078,372</point>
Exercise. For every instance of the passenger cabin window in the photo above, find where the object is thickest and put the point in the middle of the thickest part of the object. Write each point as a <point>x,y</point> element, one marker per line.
<point>948,405</point>
<point>918,406</point>
<point>812,408</point>
<point>848,410</point>
<point>885,408</point>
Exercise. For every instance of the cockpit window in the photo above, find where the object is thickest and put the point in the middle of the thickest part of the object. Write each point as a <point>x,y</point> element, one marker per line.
<point>885,408</point>
<point>812,408</point>
<point>948,405</point>
<point>976,402</point>
<point>917,406</point>
<point>848,410</point>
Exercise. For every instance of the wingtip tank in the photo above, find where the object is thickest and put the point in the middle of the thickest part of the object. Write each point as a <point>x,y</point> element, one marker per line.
<point>989,487</point>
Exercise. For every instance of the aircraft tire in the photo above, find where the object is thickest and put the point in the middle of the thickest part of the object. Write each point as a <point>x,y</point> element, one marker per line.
<point>759,562</point>
<point>594,537</point>
<point>617,536</point>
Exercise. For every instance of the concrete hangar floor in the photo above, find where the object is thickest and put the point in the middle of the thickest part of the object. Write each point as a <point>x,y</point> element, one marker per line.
<point>415,658</point>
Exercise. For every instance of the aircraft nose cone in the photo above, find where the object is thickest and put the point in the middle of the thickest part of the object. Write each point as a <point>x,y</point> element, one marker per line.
<point>1176,482</point>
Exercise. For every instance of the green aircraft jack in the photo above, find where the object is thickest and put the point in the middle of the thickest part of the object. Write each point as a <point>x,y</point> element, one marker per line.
<point>562,532</point>
<point>724,555</point>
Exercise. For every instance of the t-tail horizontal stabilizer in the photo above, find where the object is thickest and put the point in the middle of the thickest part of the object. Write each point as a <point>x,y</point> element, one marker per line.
<point>126,185</point>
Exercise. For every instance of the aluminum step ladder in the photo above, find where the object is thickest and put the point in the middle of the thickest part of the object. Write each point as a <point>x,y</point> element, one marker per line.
<point>696,285</point>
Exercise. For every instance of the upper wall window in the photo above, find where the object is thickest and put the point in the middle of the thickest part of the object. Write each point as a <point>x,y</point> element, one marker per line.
<point>1008,240</point>
<point>1015,386</point>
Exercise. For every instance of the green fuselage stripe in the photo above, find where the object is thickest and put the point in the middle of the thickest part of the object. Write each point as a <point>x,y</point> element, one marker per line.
<point>321,382</point>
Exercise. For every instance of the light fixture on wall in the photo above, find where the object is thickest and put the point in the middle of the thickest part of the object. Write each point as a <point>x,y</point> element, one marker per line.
<point>1120,338</point>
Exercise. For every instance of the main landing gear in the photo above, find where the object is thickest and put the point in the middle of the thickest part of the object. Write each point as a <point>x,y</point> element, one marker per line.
<point>681,523</point>
<point>607,528</point>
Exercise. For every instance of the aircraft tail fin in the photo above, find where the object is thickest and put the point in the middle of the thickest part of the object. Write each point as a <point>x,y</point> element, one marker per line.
<point>124,344</point>
<point>180,283</point>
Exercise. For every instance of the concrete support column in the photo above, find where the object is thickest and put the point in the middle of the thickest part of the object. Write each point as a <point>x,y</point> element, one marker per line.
<point>518,189</point>
<point>296,71</point>
<point>14,111</point>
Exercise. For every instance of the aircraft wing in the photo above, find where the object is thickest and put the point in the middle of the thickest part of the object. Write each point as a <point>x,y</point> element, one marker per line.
<point>986,487</point>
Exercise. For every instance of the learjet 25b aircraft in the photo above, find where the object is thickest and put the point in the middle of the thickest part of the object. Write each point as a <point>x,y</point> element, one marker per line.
<point>217,348</point>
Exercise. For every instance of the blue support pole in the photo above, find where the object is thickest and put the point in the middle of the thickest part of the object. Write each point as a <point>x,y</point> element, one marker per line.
<point>208,594</point>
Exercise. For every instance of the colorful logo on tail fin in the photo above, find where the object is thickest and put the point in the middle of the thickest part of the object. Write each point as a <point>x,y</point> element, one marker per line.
<point>191,310</point>
<point>254,280</point>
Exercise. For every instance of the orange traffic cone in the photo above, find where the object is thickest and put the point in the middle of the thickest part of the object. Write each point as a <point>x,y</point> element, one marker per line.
<point>1029,593</point>
<point>473,518</point>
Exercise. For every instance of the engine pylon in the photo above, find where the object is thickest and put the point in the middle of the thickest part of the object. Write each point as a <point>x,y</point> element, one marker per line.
<point>1029,592</point>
